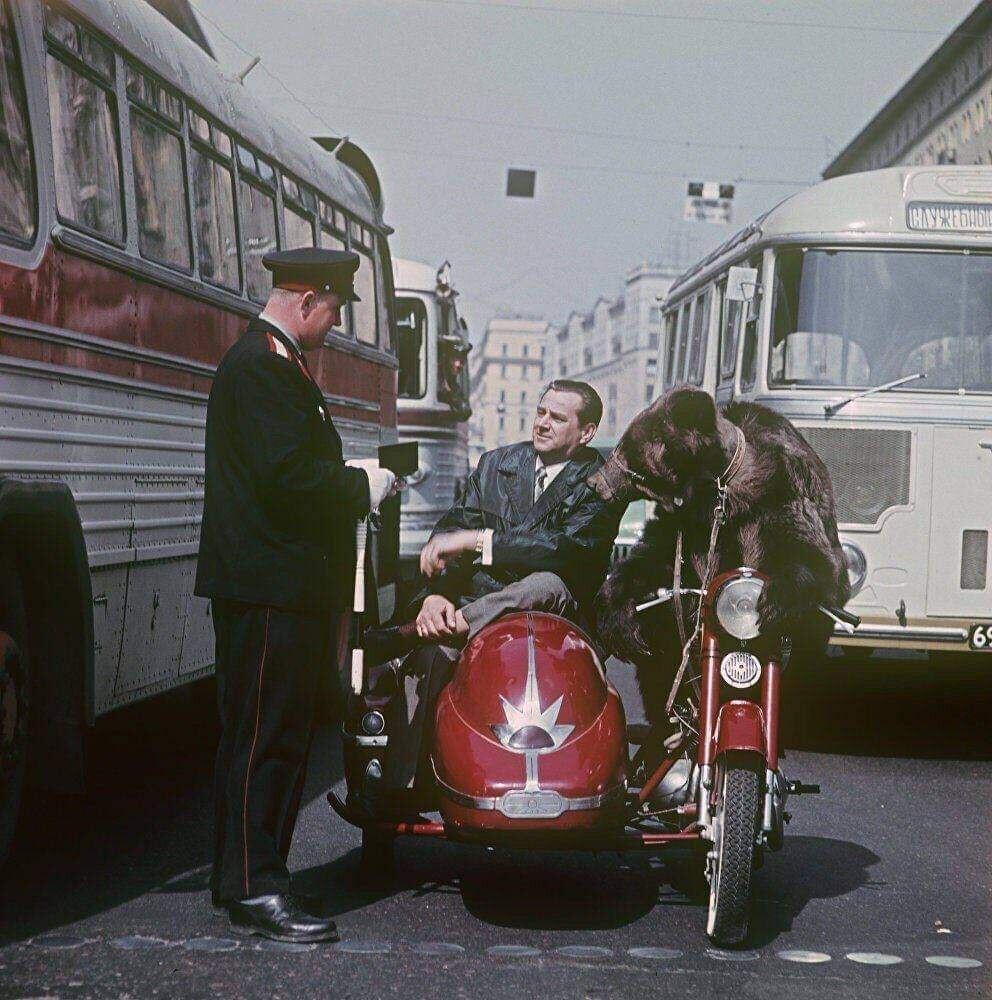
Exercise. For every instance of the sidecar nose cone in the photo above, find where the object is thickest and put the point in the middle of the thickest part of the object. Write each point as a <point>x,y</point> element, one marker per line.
<point>531,738</point>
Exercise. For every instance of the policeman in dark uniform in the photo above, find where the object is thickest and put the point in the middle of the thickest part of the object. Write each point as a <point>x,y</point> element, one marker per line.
<point>277,561</point>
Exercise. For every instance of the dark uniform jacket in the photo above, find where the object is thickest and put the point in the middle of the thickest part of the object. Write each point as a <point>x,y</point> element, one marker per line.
<point>569,531</point>
<point>280,508</point>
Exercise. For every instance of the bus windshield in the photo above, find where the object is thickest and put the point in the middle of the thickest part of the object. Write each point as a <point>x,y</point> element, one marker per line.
<point>860,318</point>
<point>411,349</point>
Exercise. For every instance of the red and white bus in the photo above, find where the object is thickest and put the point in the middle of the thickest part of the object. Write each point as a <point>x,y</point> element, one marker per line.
<point>140,189</point>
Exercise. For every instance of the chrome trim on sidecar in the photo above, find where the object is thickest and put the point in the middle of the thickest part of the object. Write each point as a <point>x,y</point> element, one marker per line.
<point>521,803</point>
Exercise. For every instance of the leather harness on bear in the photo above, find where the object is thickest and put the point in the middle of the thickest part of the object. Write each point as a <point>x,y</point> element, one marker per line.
<point>719,517</point>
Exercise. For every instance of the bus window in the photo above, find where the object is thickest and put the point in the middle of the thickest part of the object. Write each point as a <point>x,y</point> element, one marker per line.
<point>160,190</point>
<point>84,145</point>
<point>670,331</point>
<point>729,326</point>
<point>213,205</point>
<point>332,241</point>
<point>679,374</point>
<point>749,354</point>
<point>258,220</point>
<point>411,328</point>
<point>18,193</point>
<point>700,333</point>
<point>365,312</point>
<point>299,229</point>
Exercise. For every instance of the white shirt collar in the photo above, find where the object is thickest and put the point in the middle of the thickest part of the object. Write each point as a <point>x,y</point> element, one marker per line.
<point>263,315</point>
<point>550,470</point>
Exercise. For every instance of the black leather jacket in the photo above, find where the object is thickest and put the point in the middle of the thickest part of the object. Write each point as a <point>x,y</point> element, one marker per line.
<point>569,531</point>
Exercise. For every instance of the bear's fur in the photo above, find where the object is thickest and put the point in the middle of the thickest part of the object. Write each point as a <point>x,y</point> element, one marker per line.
<point>780,520</point>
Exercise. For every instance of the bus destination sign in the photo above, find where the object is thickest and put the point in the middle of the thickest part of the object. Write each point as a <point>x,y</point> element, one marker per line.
<point>945,216</point>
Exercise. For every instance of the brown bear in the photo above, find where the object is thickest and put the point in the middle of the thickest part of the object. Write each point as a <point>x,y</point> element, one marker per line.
<point>779,520</point>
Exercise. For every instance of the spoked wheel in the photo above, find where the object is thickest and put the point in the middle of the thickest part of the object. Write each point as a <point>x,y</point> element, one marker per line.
<point>14,695</point>
<point>735,828</point>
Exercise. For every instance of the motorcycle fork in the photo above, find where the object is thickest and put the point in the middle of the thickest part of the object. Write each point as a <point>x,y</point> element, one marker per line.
<point>771,681</point>
<point>709,710</point>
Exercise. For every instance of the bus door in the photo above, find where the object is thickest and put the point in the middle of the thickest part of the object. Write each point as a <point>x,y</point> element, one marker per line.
<point>957,579</point>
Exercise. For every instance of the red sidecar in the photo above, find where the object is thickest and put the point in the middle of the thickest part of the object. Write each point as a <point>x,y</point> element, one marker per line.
<point>529,735</point>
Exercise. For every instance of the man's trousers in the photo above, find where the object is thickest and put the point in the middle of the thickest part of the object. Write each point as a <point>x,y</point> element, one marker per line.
<point>268,662</point>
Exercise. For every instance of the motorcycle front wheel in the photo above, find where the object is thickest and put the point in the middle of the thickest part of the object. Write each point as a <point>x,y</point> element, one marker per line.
<point>736,815</point>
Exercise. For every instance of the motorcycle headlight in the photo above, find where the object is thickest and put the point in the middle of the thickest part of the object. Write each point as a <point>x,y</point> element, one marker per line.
<point>857,565</point>
<point>737,606</point>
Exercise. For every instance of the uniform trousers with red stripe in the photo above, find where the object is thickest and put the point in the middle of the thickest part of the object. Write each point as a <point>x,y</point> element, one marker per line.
<point>268,663</point>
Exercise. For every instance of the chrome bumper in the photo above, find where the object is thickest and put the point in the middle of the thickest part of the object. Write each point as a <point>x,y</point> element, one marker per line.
<point>905,634</point>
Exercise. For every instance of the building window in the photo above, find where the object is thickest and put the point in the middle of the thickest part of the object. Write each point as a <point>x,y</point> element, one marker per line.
<point>502,371</point>
<point>18,207</point>
<point>84,141</point>
<point>612,392</point>
<point>612,416</point>
<point>504,350</point>
<point>526,350</point>
<point>653,340</point>
<point>502,395</point>
<point>655,314</point>
<point>523,421</point>
<point>648,393</point>
<point>502,423</point>
<point>587,357</point>
<point>617,347</point>
<point>562,369</point>
<point>523,397</point>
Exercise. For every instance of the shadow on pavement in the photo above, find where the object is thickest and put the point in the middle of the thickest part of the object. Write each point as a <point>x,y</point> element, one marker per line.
<point>808,868</point>
<point>146,817</point>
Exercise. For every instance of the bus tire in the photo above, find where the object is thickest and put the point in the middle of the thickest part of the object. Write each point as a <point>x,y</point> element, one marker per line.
<point>15,691</point>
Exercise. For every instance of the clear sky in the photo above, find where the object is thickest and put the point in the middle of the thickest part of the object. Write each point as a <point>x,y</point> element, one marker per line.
<point>615,104</point>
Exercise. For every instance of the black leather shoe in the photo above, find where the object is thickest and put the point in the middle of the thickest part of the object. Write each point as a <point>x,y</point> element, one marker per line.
<point>314,905</point>
<point>280,918</point>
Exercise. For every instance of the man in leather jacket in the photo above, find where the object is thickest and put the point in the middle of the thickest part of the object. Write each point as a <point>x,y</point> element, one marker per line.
<point>526,534</point>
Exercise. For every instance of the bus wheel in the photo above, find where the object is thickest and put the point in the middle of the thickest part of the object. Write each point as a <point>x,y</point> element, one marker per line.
<point>14,693</point>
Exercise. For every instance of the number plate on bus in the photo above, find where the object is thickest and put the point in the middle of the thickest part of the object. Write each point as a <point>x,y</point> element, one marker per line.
<point>980,637</point>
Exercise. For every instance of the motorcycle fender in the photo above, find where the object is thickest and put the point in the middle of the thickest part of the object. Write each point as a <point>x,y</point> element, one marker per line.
<point>740,726</point>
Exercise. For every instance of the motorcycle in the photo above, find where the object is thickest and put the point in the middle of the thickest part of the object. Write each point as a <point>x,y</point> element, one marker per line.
<point>531,749</point>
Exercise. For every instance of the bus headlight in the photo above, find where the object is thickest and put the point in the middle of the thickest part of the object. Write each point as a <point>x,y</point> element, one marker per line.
<point>737,606</point>
<point>857,566</point>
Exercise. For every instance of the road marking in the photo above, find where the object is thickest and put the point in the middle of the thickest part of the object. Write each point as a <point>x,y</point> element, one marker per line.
<point>135,942</point>
<point>294,947</point>
<point>953,962</point>
<point>210,944</point>
<point>584,951</point>
<point>512,951</point>
<point>436,948</point>
<point>732,956</point>
<point>61,942</point>
<point>806,957</point>
<point>655,954</point>
<point>873,958</point>
<point>363,947</point>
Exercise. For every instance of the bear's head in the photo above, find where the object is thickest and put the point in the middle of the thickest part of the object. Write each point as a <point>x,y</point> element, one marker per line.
<point>668,450</point>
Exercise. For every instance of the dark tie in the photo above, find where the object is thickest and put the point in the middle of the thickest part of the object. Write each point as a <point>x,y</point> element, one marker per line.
<point>540,482</point>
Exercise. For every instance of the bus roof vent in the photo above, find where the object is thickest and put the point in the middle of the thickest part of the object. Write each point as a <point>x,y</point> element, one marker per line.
<point>356,158</point>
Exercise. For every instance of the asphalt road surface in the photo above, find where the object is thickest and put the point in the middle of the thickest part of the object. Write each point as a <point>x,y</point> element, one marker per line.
<point>882,888</point>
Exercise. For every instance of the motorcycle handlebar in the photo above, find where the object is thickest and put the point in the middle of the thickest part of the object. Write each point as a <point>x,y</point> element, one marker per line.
<point>840,615</point>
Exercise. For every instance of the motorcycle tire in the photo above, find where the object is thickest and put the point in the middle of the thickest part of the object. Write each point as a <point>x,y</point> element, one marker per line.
<point>736,816</point>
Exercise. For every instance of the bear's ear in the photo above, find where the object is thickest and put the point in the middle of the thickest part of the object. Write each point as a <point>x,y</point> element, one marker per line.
<point>692,409</point>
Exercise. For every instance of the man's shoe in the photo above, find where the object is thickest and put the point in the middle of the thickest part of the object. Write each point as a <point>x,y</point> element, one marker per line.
<point>313,904</point>
<point>280,918</point>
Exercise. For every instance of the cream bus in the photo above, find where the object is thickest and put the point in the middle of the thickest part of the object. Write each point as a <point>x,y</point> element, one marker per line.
<point>861,309</point>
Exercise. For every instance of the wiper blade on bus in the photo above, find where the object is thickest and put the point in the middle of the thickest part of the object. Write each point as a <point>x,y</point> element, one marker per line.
<point>831,408</point>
